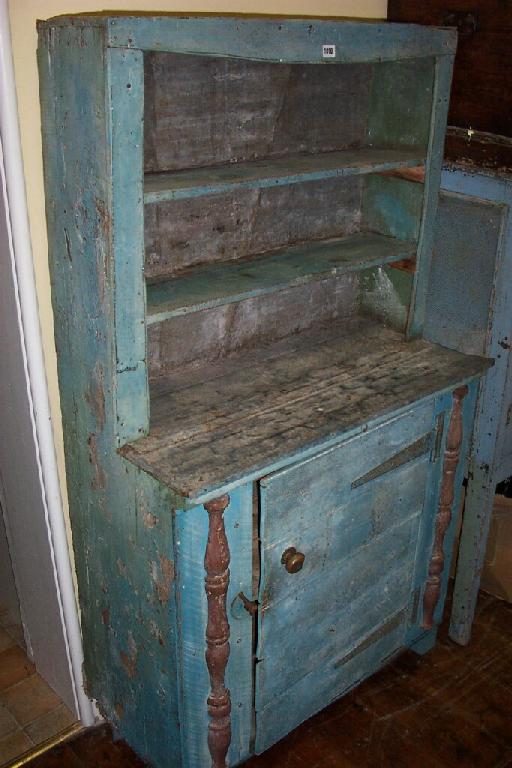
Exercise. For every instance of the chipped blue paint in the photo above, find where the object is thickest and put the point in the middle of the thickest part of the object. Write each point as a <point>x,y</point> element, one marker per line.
<point>487,262</point>
<point>279,40</point>
<point>139,549</point>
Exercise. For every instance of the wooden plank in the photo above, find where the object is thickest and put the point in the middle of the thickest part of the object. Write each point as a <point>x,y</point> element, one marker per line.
<point>397,117</point>
<point>126,95</point>
<point>240,110</point>
<point>311,694</point>
<point>442,80</point>
<point>325,480</point>
<point>266,173</point>
<point>333,632</point>
<point>182,234</point>
<point>199,338</point>
<point>300,264</point>
<point>243,417</point>
<point>478,151</point>
<point>264,39</point>
<point>333,613</point>
<point>121,517</point>
<point>392,206</point>
<point>191,532</point>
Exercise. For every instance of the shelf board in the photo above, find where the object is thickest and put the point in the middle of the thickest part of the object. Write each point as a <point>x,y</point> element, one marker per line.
<point>212,180</point>
<point>228,282</point>
<point>256,411</point>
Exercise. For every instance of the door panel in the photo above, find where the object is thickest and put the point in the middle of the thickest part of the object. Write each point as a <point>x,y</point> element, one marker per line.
<point>313,692</point>
<point>324,619</point>
<point>354,512</point>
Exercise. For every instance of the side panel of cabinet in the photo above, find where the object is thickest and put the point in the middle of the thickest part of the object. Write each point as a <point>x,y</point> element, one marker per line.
<point>191,540</point>
<point>470,292</point>
<point>121,517</point>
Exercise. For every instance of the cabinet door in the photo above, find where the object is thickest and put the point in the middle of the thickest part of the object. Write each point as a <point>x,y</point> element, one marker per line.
<point>354,512</point>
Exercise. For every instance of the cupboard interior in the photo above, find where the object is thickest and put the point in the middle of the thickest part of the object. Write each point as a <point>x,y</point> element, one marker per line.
<point>273,204</point>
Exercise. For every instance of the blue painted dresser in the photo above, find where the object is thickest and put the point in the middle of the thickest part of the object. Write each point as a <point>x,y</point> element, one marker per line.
<point>263,452</point>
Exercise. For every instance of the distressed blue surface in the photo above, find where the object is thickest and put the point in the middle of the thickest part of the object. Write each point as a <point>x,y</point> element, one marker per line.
<point>359,543</point>
<point>259,174</point>
<point>121,517</point>
<point>140,550</point>
<point>490,326</point>
<point>125,88</point>
<point>280,40</point>
<point>235,281</point>
<point>440,98</point>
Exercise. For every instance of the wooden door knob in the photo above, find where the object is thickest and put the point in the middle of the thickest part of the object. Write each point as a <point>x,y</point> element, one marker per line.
<point>292,560</point>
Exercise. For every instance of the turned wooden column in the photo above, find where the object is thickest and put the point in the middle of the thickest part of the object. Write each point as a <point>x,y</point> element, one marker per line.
<point>444,512</point>
<point>216,562</point>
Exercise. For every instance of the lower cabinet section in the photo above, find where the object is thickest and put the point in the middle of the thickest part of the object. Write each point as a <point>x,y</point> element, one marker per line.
<point>353,513</point>
<point>316,575</point>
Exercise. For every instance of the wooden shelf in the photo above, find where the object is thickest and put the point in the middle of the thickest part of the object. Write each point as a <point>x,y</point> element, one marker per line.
<point>253,412</point>
<point>212,180</point>
<point>228,282</point>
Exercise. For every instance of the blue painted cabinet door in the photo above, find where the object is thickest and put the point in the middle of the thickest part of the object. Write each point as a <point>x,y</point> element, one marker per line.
<point>356,513</point>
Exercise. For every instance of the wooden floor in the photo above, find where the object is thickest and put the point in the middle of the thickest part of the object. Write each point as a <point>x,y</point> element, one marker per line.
<point>452,707</point>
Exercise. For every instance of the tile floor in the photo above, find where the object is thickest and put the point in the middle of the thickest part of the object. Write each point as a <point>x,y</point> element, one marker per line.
<point>30,712</point>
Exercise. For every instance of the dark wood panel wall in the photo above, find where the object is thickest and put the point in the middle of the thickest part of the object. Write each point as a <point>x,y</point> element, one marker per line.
<point>482,83</point>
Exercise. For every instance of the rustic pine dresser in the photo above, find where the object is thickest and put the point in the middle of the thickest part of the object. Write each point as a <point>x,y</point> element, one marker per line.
<point>263,452</point>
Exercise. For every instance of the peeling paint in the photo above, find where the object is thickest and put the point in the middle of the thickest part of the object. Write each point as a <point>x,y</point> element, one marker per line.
<point>129,660</point>
<point>98,483</point>
<point>95,396</point>
<point>163,580</point>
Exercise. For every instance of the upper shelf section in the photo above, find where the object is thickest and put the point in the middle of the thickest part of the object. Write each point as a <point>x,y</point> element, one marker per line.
<point>227,282</point>
<point>212,180</point>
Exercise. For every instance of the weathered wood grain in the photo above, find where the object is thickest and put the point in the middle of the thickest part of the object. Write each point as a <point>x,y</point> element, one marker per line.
<point>124,229</point>
<point>354,541</point>
<point>219,332</point>
<point>383,566</point>
<point>292,169</point>
<point>184,233</point>
<point>121,518</point>
<point>241,110</point>
<point>263,39</point>
<point>478,150</point>
<point>260,409</point>
<point>297,265</point>
<point>439,106</point>
<point>310,695</point>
